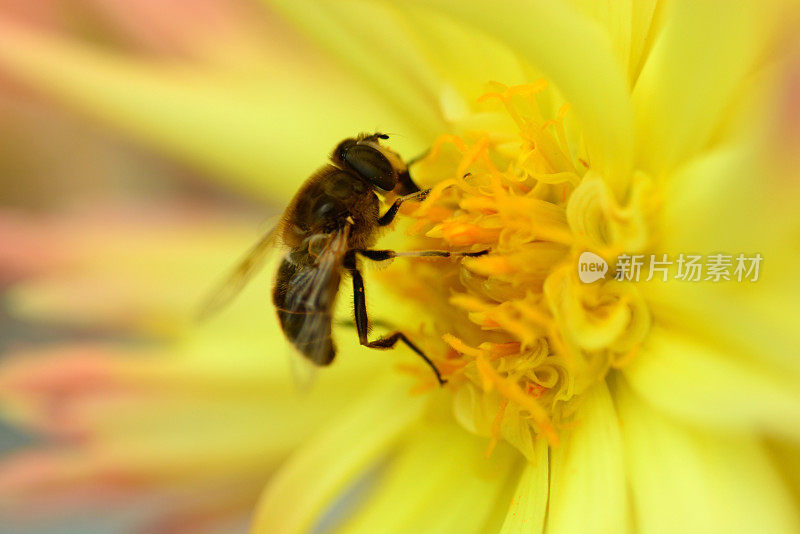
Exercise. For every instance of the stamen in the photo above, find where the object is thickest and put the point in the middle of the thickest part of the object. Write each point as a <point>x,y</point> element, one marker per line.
<point>533,201</point>
<point>513,392</point>
<point>460,346</point>
<point>496,427</point>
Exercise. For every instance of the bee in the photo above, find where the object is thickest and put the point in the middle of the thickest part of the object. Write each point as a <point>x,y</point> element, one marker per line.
<point>329,226</point>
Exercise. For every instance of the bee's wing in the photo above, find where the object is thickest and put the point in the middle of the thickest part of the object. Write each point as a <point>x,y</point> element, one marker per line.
<point>248,266</point>
<point>312,297</point>
<point>304,373</point>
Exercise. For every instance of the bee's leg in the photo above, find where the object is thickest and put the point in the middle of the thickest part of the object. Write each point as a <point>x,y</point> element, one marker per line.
<point>386,342</point>
<point>382,255</point>
<point>351,323</point>
<point>390,214</point>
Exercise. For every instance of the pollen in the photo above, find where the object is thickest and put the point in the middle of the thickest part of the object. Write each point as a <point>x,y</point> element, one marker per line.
<point>522,337</point>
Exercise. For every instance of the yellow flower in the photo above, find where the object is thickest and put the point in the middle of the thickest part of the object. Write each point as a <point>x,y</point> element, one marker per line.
<point>627,413</point>
<point>637,128</point>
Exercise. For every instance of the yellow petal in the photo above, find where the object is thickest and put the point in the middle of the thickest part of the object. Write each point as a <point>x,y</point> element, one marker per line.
<point>347,446</point>
<point>710,385</point>
<point>588,491</point>
<point>754,323</point>
<point>197,411</point>
<point>628,23</point>
<point>714,386</point>
<point>263,130</point>
<point>696,480</point>
<point>529,504</point>
<point>121,273</point>
<point>718,201</point>
<point>786,458</point>
<point>370,40</point>
<point>727,201</point>
<point>690,78</point>
<point>576,55</point>
<point>440,482</point>
<point>462,60</point>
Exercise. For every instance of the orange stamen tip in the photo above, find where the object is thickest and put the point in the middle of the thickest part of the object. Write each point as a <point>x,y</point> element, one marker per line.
<point>460,346</point>
<point>512,391</point>
<point>490,448</point>
<point>486,96</point>
<point>497,425</point>
<point>421,388</point>
<point>508,193</point>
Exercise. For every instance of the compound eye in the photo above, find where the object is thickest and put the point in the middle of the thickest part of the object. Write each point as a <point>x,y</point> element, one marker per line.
<point>372,166</point>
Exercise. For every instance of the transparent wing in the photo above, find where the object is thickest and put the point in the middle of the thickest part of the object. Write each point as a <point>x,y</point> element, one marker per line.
<point>304,373</point>
<point>311,297</point>
<point>247,267</point>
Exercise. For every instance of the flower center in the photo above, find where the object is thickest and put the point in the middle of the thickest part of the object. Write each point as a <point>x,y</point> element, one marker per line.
<point>526,337</point>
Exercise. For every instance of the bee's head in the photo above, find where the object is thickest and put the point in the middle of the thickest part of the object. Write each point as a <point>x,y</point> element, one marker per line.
<point>375,164</point>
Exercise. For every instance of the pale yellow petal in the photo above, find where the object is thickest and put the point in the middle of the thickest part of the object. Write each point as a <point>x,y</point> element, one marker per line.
<point>720,200</point>
<point>695,480</point>
<point>588,491</point>
<point>263,130</point>
<point>577,56</point>
<point>121,273</point>
<point>347,446</point>
<point>786,458</point>
<point>759,327</point>
<point>203,436</point>
<point>529,504</point>
<point>691,75</point>
<point>710,385</point>
<point>728,201</point>
<point>463,60</point>
<point>440,482</point>
<point>371,42</point>
<point>214,404</point>
<point>629,24</point>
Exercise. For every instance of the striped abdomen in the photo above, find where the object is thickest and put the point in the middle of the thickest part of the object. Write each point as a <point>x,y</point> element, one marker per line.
<point>304,297</point>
